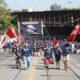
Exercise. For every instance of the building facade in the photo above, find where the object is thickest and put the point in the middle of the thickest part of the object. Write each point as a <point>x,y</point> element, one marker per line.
<point>59,22</point>
<point>55,7</point>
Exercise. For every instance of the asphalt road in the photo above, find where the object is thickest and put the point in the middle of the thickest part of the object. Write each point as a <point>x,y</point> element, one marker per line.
<point>75,60</point>
<point>3,56</point>
<point>37,71</point>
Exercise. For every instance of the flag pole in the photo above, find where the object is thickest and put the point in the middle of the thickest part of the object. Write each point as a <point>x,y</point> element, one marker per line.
<point>42,29</point>
<point>42,26</point>
<point>18,24</point>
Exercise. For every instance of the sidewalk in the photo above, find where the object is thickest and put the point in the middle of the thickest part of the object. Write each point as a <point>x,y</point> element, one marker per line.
<point>35,72</point>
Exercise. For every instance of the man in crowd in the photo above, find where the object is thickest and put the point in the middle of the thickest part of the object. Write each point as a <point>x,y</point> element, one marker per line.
<point>18,57</point>
<point>66,53</point>
<point>26,53</point>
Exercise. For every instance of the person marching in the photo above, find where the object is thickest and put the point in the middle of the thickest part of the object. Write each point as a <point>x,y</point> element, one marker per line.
<point>26,53</point>
<point>66,54</point>
<point>57,57</point>
<point>47,57</point>
<point>17,52</point>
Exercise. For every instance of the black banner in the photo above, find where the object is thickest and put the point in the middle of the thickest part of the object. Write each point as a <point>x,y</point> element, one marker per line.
<point>30,28</point>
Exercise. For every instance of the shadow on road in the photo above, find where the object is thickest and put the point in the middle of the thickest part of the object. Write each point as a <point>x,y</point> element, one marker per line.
<point>12,66</point>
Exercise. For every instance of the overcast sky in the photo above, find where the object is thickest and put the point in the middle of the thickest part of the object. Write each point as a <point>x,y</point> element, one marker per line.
<point>39,5</point>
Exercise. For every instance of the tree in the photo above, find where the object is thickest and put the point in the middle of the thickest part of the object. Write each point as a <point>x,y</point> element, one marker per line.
<point>71,8</point>
<point>14,20</point>
<point>2,3</point>
<point>5,16</point>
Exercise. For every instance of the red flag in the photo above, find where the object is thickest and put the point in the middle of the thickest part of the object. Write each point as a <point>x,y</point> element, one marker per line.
<point>56,43</point>
<point>10,33</point>
<point>74,33</point>
<point>3,40</point>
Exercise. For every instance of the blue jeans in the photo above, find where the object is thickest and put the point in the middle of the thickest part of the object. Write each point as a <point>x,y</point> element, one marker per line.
<point>26,61</point>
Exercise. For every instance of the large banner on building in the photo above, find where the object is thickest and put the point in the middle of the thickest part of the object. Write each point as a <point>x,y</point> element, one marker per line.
<point>31,28</point>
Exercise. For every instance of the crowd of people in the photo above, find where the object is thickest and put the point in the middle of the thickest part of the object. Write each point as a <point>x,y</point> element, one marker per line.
<point>52,54</point>
<point>56,52</point>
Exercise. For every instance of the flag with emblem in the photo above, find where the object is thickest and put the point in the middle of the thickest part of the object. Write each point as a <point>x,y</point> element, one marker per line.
<point>74,33</point>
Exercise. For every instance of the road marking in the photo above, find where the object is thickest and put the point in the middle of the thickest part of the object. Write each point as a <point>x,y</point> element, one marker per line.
<point>32,73</point>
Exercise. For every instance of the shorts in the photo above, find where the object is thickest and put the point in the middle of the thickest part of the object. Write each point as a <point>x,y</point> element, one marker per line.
<point>57,57</point>
<point>67,57</point>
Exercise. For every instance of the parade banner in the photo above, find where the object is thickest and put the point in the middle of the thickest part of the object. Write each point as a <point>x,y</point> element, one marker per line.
<point>31,28</point>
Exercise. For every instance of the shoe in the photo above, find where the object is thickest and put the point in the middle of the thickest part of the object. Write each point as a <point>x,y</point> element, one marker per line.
<point>47,67</point>
<point>58,68</point>
<point>21,68</point>
<point>24,68</point>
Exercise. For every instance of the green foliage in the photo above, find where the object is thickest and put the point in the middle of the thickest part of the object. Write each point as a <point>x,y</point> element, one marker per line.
<point>71,8</point>
<point>5,16</point>
<point>14,20</point>
<point>2,3</point>
<point>1,26</point>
